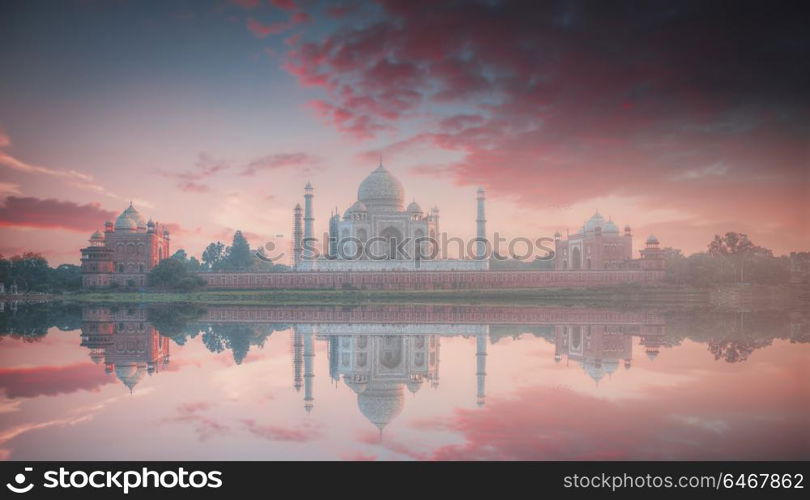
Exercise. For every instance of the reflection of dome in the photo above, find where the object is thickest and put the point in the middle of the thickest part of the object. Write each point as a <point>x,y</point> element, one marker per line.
<point>415,384</point>
<point>381,190</point>
<point>130,375</point>
<point>652,354</point>
<point>357,207</point>
<point>610,227</point>
<point>593,370</point>
<point>381,402</point>
<point>610,365</point>
<point>130,220</point>
<point>97,355</point>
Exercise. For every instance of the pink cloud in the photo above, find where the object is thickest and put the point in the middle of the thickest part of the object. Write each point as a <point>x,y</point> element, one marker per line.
<point>303,161</point>
<point>52,380</point>
<point>191,414</point>
<point>52,214</point>
<point>264,30</point>
<point>270,432</point>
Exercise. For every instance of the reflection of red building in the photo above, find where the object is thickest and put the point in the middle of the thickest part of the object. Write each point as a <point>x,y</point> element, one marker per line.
<point>600,349</point>
<point>126,251</point>
<point>125,341</point>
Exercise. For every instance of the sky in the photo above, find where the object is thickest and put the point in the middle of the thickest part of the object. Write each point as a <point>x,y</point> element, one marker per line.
<point>682,119</point>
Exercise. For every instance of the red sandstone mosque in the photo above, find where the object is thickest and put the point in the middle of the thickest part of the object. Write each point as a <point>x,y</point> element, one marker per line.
<point>125,252</point>
<point>596,255</point>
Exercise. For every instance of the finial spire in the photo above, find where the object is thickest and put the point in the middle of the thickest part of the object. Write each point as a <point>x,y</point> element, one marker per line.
<point>381,159</point>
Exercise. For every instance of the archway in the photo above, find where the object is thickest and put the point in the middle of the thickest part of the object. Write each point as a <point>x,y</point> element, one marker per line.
<point>392,238</point>
<point>391,352</point>
<point>576,259</point>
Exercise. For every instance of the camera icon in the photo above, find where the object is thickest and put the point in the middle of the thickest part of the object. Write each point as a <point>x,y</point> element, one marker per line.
<point>272,250</point>
<point>19,479</point>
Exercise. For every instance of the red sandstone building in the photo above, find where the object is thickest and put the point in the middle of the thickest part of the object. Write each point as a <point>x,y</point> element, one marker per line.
<point>599,245</point>
<point>125,253</point>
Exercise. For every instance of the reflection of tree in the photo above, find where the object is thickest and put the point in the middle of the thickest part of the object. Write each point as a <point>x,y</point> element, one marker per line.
<point>237,337</point>
<point>173,320</point>
<point>733,336</point>
<point>31,321</point>
<point>735,350</point>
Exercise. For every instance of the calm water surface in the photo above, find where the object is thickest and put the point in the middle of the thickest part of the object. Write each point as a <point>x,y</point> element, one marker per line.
<point>401,382</point>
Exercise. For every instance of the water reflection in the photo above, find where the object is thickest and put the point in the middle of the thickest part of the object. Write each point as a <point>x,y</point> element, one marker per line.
<point>382,355</point>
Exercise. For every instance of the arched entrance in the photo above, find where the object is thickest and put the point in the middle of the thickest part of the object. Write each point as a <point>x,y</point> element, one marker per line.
<point>392,238</point>
<point>576,259</point>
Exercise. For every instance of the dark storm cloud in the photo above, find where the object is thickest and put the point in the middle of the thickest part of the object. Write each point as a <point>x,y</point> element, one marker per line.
<point>559,102</point>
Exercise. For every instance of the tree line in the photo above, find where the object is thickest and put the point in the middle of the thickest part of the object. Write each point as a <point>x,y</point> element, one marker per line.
<point>730,258</point>
<point>31,273</point>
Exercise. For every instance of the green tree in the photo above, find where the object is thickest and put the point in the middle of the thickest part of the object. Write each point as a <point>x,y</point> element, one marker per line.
<point>191,263</point>
<point>736,248</point>
<point>213,255</point>
<point>240,256</point>
<point>30,271</point>
<point>171,274</point>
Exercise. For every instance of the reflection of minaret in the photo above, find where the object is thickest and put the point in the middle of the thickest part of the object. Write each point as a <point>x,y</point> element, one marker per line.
<point>308,219</point>
<point>481,366</point>
<point>309,354</point>
<point>480,227</point>
<point>298,354</point>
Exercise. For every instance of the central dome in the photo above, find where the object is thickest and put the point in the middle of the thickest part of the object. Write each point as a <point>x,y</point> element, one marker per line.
<point>130,220</point>
<point>381,190</point>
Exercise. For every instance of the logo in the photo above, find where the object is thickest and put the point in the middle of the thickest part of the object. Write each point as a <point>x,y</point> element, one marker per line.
<point>20,479</point>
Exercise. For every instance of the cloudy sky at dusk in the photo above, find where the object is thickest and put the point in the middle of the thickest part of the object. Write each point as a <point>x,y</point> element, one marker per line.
<point>682,119</point>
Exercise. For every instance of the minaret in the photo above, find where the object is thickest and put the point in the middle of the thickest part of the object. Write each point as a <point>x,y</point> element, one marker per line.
<point>297,236</point>
<point>481,366</point>
<point>481,228</point>
<point>309,355</point>
<point>298,356</point>
<point>308,253</point>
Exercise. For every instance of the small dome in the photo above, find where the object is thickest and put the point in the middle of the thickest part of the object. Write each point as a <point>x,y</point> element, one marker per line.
<point>97,236</point>
<point>358,207</point>
<point>414,208</point>
<point>652,354</point>
<point>381,190</point>
<point>652,240</point>
<point>414,385</point>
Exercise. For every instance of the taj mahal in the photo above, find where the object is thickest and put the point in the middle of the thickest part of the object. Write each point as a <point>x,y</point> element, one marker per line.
<point>378,232</point>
